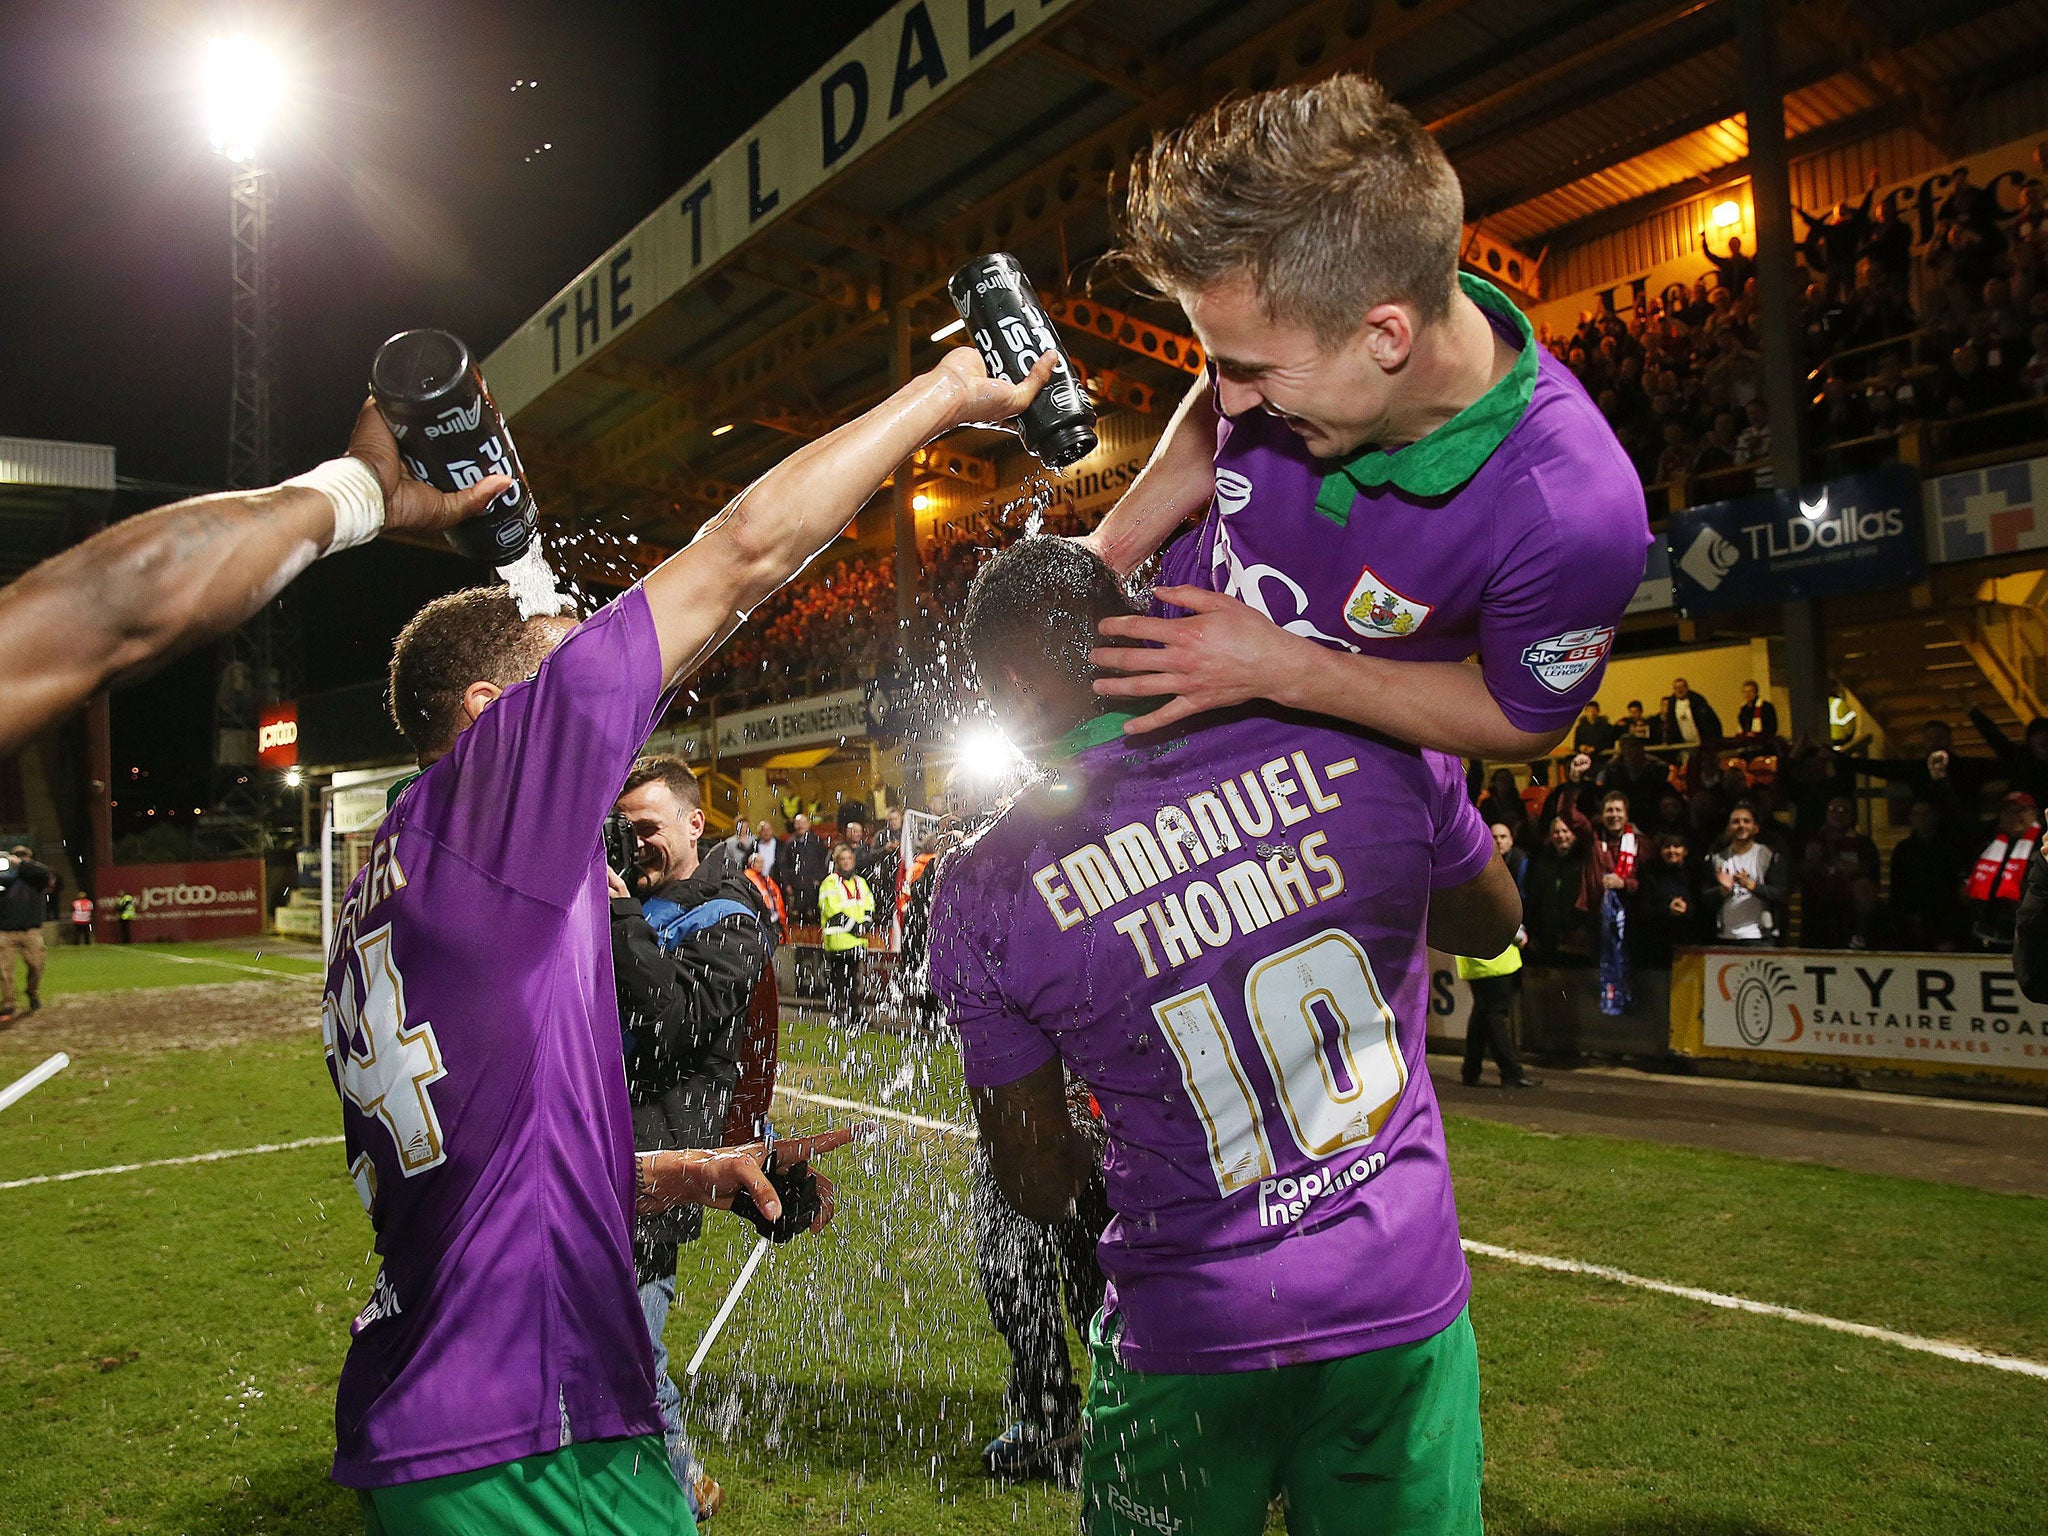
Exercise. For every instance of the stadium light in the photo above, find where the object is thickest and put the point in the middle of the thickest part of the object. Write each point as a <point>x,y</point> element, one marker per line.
<point>293,778</point>
<point>244,86</point>
<point>721,431</point>
<point>986,756</point>
<point>920,502</point>
<point>1726,214</point>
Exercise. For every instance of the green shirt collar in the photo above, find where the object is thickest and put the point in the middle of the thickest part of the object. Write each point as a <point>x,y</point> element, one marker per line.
<point>400,787</point>
<point>1451,455</point>
<point>1107,726</point>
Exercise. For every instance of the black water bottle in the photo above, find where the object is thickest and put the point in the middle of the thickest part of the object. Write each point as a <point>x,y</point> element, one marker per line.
<point>1012,331</point>
<point>431,394</point>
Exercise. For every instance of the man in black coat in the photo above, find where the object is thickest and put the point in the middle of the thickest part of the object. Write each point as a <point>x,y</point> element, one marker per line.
<point>690,942</point>
<point>25,888</point>
<point>800,870</point>
<point>1688,717</point>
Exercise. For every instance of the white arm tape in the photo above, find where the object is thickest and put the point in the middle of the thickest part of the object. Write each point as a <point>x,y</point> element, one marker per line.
<point>358,498</point>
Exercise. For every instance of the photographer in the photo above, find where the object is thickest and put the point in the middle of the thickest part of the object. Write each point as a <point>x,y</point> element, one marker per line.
<point>689,951</point>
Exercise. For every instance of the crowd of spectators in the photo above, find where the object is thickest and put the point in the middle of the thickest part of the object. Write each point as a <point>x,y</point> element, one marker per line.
<point>1943,331</point>
<point>1713,835</point>
<point>1891,336</point>
<point>835,627</point>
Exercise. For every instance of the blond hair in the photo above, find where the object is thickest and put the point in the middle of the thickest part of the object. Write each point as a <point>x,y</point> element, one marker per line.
<point>1330,197</point>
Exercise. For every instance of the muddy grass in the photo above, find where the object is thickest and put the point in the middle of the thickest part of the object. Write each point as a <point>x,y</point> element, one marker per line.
<point>168,1018</point>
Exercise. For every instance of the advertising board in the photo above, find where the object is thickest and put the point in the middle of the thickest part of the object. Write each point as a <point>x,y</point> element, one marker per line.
<point>1845,535</point>
<point>217,899</point>
<point>1929,1012</point>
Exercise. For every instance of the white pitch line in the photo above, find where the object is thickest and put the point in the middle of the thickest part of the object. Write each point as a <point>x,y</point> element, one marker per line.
<point>921,1122</point>
<point>172,1162</point>
<point>1962,1352</point>
<point>230,965</point>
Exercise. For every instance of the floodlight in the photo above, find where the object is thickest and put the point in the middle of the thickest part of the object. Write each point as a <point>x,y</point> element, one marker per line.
<point>244,85</point>
<point>293,778</point>
<point>1726,214</point>
<point>920,502</point>
<point>986,756</point>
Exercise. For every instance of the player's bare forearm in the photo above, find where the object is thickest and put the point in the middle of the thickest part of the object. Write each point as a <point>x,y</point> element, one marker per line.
<point>1226,652</point>
<point>1040,1160</point>
<point>145,590</point>
<point>662,1181</point>
<point>1479,918</point>
<point>780,522</point>
<point>1441,705</point>
<point>1176,482</point>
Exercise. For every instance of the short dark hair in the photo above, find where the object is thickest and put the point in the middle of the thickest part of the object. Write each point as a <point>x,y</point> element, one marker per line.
<point>472,636</point>
<point>1614,794</point>
<point>1041,597</point>
<point>672,771</point>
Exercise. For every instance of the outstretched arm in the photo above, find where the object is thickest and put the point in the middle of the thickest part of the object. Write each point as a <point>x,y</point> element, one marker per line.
<point>775,526</point>
<point>128,599</point>
<point>1176,482</point>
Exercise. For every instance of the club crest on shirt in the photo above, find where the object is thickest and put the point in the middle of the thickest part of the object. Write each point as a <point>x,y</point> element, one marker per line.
<point>1377,611</point>
<point>1562,662</point>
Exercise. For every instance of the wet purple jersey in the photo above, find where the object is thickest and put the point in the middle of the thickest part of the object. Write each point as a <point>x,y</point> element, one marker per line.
<point>1222,935</point>
<point>473,1034</point>
<point>1529,563</point>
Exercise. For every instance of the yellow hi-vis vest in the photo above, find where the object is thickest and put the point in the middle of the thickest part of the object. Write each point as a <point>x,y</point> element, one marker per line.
<point>1506,963</point>
<point>845,907</point>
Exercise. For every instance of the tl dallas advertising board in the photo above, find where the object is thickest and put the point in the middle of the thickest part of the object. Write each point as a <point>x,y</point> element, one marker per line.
<point>219,899</point>
<point>1847,535</point>
<point>1950,1013</point>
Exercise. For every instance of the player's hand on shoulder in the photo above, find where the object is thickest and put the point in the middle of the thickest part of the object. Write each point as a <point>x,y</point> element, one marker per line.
<point>1223,653</point>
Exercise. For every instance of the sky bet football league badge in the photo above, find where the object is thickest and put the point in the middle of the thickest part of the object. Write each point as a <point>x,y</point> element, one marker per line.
<point>1562,662</point>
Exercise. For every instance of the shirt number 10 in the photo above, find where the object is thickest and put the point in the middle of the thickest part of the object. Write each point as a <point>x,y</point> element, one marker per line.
<point>1328,1040</point>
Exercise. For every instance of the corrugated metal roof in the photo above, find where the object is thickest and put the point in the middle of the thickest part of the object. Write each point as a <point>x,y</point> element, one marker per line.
<point>63,466</point>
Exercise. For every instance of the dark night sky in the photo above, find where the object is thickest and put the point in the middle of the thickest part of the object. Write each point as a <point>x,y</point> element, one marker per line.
<point>413,192</point>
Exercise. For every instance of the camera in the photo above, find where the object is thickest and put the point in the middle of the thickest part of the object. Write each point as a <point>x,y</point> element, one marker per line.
<point>622,847</point>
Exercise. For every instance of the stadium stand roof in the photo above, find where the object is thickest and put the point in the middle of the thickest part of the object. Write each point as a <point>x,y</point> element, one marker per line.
<point>779,293</point>
<point>51,495</point>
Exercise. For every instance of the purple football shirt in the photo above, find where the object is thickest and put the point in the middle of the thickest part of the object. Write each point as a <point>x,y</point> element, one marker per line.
<point>1222,935</point>
<point>1529,563</point>
<point>472,1032</point>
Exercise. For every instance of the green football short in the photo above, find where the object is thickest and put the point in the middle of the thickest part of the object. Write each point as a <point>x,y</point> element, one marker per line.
<point>1384,1443</point>
<point>592,1488</point>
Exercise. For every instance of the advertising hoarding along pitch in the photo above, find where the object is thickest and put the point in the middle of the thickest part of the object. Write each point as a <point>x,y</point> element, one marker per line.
<point>218,899</point>
<point>1947,1012</point>
<point>1847,535</point>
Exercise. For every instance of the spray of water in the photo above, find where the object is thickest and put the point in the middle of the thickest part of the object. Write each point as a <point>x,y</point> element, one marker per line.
<point>851,1351</point>
<point>532,581</point>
